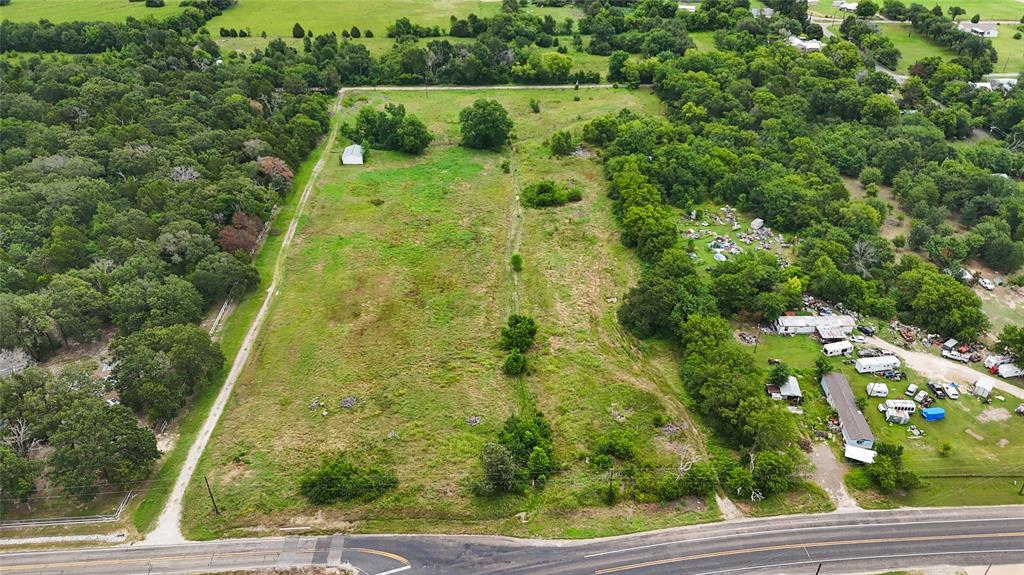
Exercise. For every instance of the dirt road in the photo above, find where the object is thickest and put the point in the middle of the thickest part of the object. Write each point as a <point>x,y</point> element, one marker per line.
<point>942,369</point>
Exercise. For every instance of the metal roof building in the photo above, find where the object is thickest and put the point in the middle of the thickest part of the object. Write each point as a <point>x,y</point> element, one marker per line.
<point>839,395</point>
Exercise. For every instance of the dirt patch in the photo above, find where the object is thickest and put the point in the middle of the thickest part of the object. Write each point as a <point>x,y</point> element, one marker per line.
<point>974,434</point>
<point>1004,442</point>
<point>829,473</point>
<point>993,414</point>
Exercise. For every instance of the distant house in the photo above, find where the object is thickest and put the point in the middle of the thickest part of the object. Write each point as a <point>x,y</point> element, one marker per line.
<point>687,7</point>
<point>846,6</point>
<point>806,324</point>
<point>352,155</point>
<point>759,12</point>
<point>839,395</point>
<point>804,45</point>
<point>983,29</point>
<point>789,391</point>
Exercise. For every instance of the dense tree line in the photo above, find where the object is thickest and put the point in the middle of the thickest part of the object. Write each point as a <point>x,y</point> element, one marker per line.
<point>93,445</point>
<point>974,53</point>
<point>134,185</point>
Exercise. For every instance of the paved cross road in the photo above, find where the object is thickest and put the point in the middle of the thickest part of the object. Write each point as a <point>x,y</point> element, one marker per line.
<point>841,542</point>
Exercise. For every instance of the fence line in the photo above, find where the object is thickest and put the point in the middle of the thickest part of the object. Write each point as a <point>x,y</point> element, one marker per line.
<point>116,516</point>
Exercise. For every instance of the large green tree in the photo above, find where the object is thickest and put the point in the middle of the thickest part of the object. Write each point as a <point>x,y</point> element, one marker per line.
<point>485,125</point>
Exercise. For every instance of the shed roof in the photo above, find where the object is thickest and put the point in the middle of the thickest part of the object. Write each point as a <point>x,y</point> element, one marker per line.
<point>852,420</point>
<point>859,454</point>
<point>816,321</point>
<point>791,388</point>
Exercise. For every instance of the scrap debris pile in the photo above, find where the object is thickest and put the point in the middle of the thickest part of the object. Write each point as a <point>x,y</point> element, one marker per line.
<point>725,244</point>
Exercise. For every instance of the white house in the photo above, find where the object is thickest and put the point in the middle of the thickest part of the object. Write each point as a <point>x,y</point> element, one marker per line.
<point>687,7</point>
<point>837,348</point>
<point>804,45</point>
<point>983,29</point>
<point>766,12</point>
<point>876,364</point>
<point>794,324</point>
<point>352,155</point>
<point>848,6</point>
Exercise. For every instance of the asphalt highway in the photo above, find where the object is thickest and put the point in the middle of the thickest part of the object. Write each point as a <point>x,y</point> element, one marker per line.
<point>840,542</point>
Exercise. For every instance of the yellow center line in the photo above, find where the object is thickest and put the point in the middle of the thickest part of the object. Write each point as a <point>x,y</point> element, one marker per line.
<point>398,558</point>
<point>800,545</point>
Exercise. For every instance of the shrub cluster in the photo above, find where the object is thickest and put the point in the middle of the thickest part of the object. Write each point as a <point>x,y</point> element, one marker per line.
<point>547,193</point>
<point>339,479</point>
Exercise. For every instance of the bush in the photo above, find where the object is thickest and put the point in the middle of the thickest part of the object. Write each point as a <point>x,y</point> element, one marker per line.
<point>515,363</point>
<point>535,106</point>
<point>297,31</point>
<point>500,469</point>
<point>870,175</point>
<point>699,480</point>
<point>561,144</point>
<point>858,479</point>
<point>154,3</point>
<point>547,194</point>
<point>519,333</point>
<point>338,479</point>
<point>517,263</point>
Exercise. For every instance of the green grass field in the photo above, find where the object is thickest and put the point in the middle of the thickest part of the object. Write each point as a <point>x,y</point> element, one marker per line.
<point>87,10</point>
<point>913,46</point>
<point>276,17</point>
<point>987,9</point>
<point>399,304</point>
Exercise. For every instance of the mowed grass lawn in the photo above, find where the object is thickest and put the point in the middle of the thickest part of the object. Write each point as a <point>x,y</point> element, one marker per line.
<point>976,472</point>
<point>86,10</point>
<point>913,46</point>
<point>987,9</point>
<point>395,293</point>
<point>276,17</point>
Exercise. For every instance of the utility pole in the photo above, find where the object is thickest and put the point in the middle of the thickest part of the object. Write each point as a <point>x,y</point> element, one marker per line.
<point>216,511</point>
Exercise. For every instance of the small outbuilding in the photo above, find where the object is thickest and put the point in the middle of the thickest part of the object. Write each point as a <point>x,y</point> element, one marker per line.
<point>933,413</point>
<point>983,387</point>
<point>897,417</point>
<point>950,345</point>
<point>837,348</point>
<point>352,155</point>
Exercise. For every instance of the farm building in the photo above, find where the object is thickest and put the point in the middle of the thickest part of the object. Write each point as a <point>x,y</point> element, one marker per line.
<point>789,391</point>
<point>876,364</point>
<point>352,155</point>
<point>839,395</point>
<point>983,387</point>
<point>837,348</point>
<point>805,324</point>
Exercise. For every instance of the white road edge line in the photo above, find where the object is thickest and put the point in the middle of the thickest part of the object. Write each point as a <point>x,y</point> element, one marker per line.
<point>897,556</point>
<point>814,528</point>
<point>396,570</point>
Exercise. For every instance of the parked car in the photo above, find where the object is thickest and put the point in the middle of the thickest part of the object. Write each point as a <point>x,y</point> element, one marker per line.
<point>987,284</point>
<point>937,390</point>
<point>858,339</point>
<point>866,329</point>
<point>921,396</point>
<point>911,390</point>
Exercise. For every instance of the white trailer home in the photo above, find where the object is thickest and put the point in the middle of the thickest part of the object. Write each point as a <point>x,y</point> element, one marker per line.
<point>1009,370</point>
<point>807,324</point>
<point>837,348</point>
<point>876,364</point>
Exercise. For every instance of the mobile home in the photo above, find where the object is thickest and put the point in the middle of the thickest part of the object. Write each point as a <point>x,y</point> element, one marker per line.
<point>837,348</point>
<point>876,364</point>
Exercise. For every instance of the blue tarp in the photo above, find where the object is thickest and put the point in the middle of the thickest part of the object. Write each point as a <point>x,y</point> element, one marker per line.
<point>933,413</point>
